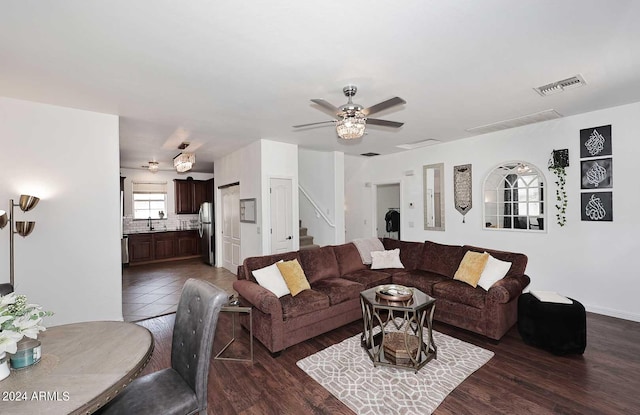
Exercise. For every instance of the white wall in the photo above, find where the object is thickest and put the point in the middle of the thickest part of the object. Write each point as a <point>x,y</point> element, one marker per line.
<point>242,166</point>
<point>70,264</point>
<point>591,262</point>
<point>357,196</point>
<point>321,175</point>
<point>253,166</point>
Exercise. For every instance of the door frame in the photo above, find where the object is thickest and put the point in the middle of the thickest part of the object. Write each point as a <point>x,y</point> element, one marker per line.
<point>219,224</point>
<point>374,206</point>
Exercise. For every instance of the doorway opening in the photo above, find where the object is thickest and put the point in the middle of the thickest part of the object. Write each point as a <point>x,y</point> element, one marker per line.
<point>387,212</point>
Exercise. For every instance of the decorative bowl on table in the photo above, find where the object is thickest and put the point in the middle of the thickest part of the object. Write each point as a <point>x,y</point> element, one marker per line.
<point>394,292</point>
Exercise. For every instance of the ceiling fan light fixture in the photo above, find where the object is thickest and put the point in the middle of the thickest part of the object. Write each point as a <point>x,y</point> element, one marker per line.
<point>351,127</point>
<point>184,162</point>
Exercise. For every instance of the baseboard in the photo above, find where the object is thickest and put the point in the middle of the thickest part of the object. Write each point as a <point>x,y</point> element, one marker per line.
<point>612,313</point>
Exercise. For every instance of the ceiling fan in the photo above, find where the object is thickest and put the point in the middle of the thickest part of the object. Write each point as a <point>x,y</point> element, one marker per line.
<point>351,119</point>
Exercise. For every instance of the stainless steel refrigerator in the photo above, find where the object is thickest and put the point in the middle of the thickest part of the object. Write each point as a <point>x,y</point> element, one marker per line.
<point>207,235</point>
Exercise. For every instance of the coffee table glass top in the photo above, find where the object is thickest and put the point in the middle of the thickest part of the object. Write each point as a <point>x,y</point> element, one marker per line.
<point>418,300</point>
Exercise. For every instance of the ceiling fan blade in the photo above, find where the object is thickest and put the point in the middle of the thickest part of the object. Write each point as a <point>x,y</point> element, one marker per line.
<point>332,109</point>
<point>385,123</point>
<point>383,105</point>
<point>313,123</point>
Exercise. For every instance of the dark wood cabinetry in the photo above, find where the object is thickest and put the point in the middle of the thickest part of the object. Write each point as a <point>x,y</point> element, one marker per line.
<point>140,248</point>
<point>188,243</point>
<point>163,246</point>
<point>190,194</point>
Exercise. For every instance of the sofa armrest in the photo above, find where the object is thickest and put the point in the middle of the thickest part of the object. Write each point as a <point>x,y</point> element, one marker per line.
<point>261,298</point>
<point>508,288</point>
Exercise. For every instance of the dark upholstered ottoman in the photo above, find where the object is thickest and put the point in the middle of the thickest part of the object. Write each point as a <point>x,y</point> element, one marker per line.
<point>558,328</point>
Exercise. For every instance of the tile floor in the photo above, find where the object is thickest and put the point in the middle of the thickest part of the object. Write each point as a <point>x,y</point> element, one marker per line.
<point>153,290</point>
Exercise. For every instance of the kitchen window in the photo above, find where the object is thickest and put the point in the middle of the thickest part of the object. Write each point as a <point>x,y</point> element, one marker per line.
<point>149,200</point>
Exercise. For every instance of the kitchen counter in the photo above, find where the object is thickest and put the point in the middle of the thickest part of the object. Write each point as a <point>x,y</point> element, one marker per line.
<point>158,231</point>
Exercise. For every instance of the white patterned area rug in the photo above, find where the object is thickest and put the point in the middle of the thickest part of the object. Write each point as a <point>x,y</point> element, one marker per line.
<point>346,371</point>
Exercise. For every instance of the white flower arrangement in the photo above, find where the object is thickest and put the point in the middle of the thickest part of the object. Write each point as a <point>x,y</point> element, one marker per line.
<point>19,319</point>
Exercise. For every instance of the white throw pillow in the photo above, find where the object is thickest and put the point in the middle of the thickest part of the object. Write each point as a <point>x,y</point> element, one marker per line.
<point>386,259</point>
<point>271,279</point>
<point>495,270</point>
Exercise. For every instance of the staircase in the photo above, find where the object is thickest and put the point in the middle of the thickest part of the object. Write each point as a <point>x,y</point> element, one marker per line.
<point>306,241</point>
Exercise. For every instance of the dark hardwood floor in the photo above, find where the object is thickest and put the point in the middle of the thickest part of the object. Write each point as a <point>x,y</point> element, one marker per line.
<point>519,379</point>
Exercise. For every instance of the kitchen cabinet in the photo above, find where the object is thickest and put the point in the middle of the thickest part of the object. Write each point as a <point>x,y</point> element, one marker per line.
<point>189,195</point>
<point>140,248</point>
<point>163,246</point>
<point>188,243</point>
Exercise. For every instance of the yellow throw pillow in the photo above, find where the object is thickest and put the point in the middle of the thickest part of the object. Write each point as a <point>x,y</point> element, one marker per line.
<point>471,267</point>
<point>293,276</point>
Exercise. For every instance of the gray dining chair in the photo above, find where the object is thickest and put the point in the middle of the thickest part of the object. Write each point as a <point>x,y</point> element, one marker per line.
<point>182,388</point>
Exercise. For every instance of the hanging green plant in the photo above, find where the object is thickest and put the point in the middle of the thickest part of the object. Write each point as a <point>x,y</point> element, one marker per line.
<point>557,163</point>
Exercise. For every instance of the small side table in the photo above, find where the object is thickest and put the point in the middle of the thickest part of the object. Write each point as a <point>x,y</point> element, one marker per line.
<point>235,310</point>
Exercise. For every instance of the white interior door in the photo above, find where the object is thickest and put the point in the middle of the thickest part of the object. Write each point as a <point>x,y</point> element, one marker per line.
<point>281,216</point>
<point>231,228</point>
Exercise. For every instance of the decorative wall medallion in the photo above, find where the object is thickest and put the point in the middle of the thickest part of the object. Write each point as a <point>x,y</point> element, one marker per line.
<point>595,141</point>
<point>462,189</point>
<point>597,173</point>
<point>597,207</point>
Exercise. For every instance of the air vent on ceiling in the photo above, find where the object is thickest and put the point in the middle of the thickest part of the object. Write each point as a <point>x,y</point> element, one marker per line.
<point>516,122</point>
<point>182,146</point>
<point>370,154</point>
<point>418,144</point>
<point>559,86</point>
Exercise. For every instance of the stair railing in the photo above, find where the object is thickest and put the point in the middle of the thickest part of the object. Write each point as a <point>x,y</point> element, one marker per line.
<point>315,206</point>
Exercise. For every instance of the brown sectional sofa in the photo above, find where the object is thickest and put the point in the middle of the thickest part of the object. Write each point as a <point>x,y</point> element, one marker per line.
<point>337,276</point>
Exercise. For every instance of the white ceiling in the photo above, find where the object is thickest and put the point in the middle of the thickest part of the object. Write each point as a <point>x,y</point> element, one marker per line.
<point>221,74</point>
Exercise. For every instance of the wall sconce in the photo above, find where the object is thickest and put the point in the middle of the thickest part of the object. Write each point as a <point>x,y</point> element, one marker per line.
<point>22,228</point>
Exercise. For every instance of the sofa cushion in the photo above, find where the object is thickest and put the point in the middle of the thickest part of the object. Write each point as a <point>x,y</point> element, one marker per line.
<point>293,276</point>
<point>257,262</point>
<point>460,292</point>
<point>410,252</point>
<point>518,261</point>
<point>422,280</point>
<point>339,289</point>
<point>319,263</point>
<point>308,301</point>
<point>369,278</point>
<point>348,258</point>
<point>441,259</point>
<point>471,267</point>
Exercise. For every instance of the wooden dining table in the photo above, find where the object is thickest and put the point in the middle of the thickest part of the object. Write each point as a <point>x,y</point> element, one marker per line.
<point>83,366</point>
